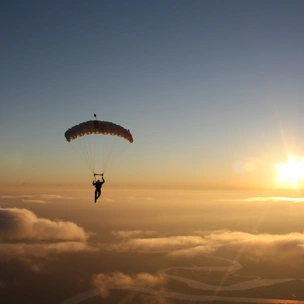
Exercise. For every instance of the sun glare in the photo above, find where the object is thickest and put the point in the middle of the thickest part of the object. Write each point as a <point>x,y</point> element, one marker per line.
<point>292,172</point>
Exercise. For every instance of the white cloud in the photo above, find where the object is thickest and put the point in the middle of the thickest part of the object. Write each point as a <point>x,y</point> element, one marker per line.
<point>108,199</point>
<point>274,199</point>
<point>35,201</point>
<point>26,237</point>
<point>37,198</point>
<point>156,244</point>
<point>22,224</point>
<point>275,247</point>
<point>119,279</point>
<point>259,247</point>
<point>132,233</point>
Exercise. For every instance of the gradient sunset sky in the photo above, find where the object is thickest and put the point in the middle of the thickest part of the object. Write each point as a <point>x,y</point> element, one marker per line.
<point>212,91</point>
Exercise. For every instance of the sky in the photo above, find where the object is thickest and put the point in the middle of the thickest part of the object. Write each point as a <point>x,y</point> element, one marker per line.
<point>211,90</point>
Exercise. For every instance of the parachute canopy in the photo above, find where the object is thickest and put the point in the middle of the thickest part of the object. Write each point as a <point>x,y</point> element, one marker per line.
<point>98,127</point>
<point>98,152</point>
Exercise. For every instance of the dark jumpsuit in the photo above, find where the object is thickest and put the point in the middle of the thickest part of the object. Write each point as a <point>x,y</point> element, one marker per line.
<point>98,186</point>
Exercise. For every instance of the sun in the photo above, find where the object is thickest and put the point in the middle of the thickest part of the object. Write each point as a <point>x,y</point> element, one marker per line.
<point>292,172</point>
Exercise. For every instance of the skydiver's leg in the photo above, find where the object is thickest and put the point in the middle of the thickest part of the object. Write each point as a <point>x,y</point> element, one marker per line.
<point>98,194</point>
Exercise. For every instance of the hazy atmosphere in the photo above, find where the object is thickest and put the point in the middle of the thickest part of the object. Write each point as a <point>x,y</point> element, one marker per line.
<point>191,110</point>
<point>211,90</point>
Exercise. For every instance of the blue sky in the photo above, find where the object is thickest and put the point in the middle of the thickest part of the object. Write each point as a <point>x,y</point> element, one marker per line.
<point>203,85</point>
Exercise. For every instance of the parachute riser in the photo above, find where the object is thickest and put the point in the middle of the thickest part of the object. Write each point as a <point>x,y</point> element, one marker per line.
<point>97,174</point>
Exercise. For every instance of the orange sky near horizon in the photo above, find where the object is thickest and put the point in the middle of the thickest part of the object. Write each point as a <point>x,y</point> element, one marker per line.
<point>219,111</point>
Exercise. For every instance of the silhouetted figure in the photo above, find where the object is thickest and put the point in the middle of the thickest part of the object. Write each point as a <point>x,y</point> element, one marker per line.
<point>98,184</point>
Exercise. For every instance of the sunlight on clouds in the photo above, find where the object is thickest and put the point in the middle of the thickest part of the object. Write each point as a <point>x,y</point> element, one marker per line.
<point>37,198</point>
<point>34,201</point>
<point>132,233</point>
<point>275,247</point>
<point>258,247</point>
<point>22,224</point>
<point>118,279</point>
<point>161,244</point>
<point>274,198</point>
<point>29,251</point>
<point>26,237</point>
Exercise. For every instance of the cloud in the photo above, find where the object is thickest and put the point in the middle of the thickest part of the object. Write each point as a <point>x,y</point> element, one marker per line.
<point>22,224</point>
<point>40,198</point>
<point>36,255</point>
<point>119,279</point>
<point>35,201</point>
<point>274,199</point>
<point>132,233</point>
<point>150,198</point>
<point>140,198</point>
<point>26,237</point>
<point>107,199</point>
<point>258,247</point>
<point>156,244</point>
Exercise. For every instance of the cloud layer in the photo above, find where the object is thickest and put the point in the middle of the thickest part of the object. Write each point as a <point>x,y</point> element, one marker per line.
<point>22,224</point>
<point>132,233</point>
<point>38,198</point>
<point>119,279</point>
<point>277,248</point>
<point>26,237</point>
<point>257,247</point>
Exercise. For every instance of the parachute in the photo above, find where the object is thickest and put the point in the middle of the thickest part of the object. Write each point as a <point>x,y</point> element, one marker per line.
<point>95,142</point>
<point>97,127</point>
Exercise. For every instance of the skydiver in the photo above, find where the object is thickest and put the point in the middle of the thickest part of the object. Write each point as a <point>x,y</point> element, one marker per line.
<point>98,185</point>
